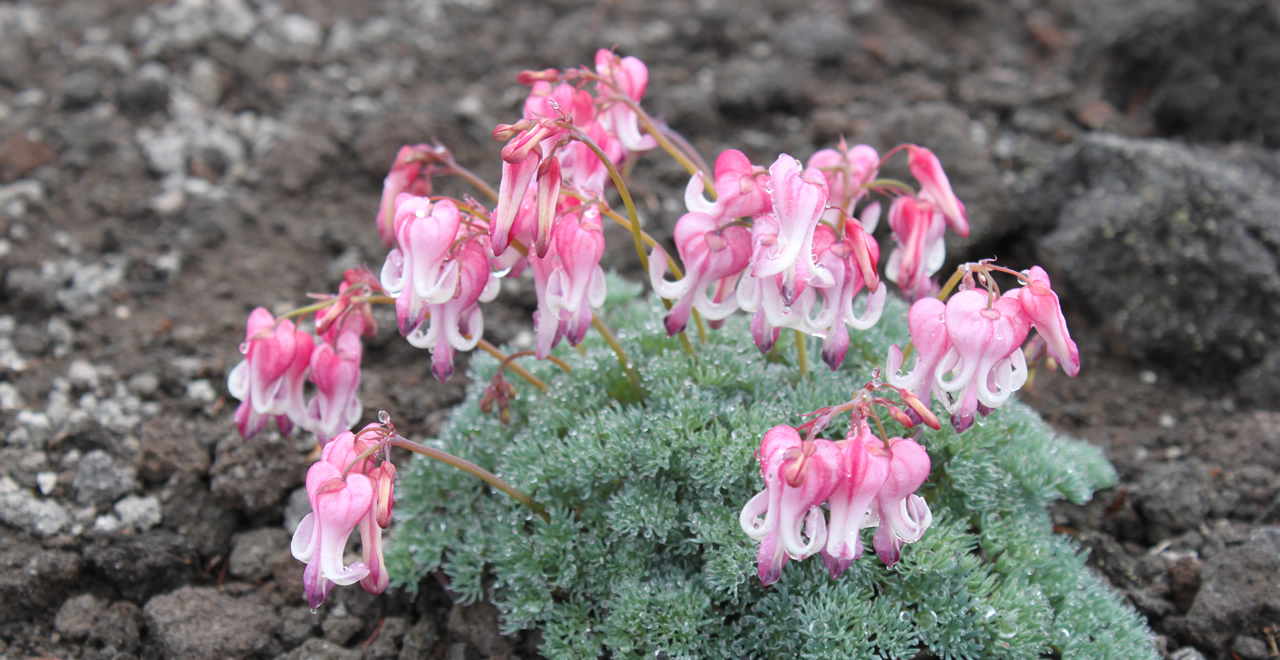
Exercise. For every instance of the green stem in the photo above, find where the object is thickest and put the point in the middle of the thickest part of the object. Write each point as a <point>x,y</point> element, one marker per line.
<point>612,341</point>
<point>467,466</point>
<point>471,178</point>
<point>622,191</point>
<point>520,371</point>
<point>802,354</point>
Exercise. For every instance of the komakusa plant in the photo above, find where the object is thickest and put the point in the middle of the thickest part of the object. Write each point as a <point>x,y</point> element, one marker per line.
<point>660,482</point>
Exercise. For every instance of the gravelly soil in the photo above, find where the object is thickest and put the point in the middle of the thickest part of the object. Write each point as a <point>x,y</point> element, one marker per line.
<point>166,168</point>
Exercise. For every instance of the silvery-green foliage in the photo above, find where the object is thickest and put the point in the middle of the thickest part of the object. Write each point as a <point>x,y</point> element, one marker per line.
<point>644,556</point>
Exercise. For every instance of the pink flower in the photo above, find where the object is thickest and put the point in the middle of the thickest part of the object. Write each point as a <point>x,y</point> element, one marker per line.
<point>377,519</point>
<point>920,250</point>
<point>336,372</point>
<point>520,161</point>
<point>569,281</point>
<point>927,169</point>
<point>798,201</point>
<point>799,476</point>
<point>1041,306</point>
<point>846,171</point>
<point>851,264</point>
<point>740,192</point>
<point>457,323</point>
<point>709,255</point>
<point>406,176</point>
<point>984,363</point>
<point>269,381</point>
<point>864,466</point>
<point>418,272</point>
<point>629,77</point>
<point>903,515</point>
<point>927,325</point>
<point>337,507</point>
<point>775,306</point>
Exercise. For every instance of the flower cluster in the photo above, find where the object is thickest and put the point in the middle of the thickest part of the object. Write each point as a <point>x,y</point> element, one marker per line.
<point>280,359</point>
<point>792,244</point>
<point>969,349</point>
<point>865,483</point>
<point>346,490</point>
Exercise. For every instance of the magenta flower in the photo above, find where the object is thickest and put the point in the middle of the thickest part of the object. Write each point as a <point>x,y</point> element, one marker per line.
<point>457,323</point>
<point>851,264</point>
<point>927,169</point>
<point>337,507</point>
<point>984,363</point>
<point>406,176</point>
<point>768,297</point>
<point>927,325</point>
<point>269,381</point>
<point>799,476</point>
<point>520,161</point>
<point>709,255</point>
<point>798,201</point>
<point>568,281</point>
<point>1040,305</point>
<point>629,76</point>
<point>903,515</point>
<point>864,466</point>
<point>846,171</point>
<point>377,519</point>
<point>336,372</point>
<point>419,272</point>
<point>920,250</point>
<point>740,190</point>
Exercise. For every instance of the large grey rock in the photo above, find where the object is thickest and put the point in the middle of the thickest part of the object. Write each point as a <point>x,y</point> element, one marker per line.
<point>201,622</point>
<point>1175,251</point>
<point>99,481</point>
<point>255,476</point>
<point>1239,593</point>
<point>253,551</point>
<point>33,579</point>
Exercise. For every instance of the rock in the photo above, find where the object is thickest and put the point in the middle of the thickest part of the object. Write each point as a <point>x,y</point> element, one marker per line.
<point>340,626</point>
<point>462,651</point>
<point>201,622</point>
<point>77,616</point>
<point>1184,581</point>
<point>139,513</point>
<point>81,89</point>
<point>119,628</point>
<point>287,573</point>
<point>420,641</point>
<point>387,644</point>
<point>1238,592</point>
<point>143,97</point>
<point>253,551</point>
<point>299,624</point>
<point>192,511</point>
<point>1142,245</point>
<point>1250,648</point>
<point>1176,497</point>
<point>166,449</point>
<point>478,624</point>
<point>140,565</point>
<point>321,649</point>
<point>23,510</point>
<point>1204,68</point>
<point>99,481</point>
<point>255,476</point>
<point>205,82</point>
<point>33,579</point>
<point>1186,653</point>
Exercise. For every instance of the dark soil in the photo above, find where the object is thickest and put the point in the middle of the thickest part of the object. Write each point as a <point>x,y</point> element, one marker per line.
<point>166,168</point>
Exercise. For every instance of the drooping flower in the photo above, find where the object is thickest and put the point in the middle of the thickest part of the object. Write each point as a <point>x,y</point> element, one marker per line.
<point>847,169</point>
<point>926,322</point>
<point>269,381</point>
<point>709,254</point>
<point>629,76</point>
<point>407,175</point>
<point>920,252</point>
<point>903,515</point>
<point>936,188</point>
<point>457,323</point>
<point>864,466</point>
<point>798,201</point>
<point>799,476</point>
<point>1040,305</point>
<point>850,262</point>
<point>740,190</point>
<point>569,281</point>
<point>335,370</point>
<point>337,507</point>
<point>419,272</point>
<point>983,364</point>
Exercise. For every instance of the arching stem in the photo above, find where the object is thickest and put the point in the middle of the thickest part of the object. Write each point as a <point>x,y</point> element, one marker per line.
<point>612,341</point>
<point>467,466</point>
<point>802,354</point>
<point>519,370</point>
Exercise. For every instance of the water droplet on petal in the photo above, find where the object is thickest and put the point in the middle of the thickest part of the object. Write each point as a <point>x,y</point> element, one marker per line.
<point>314,611</point>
